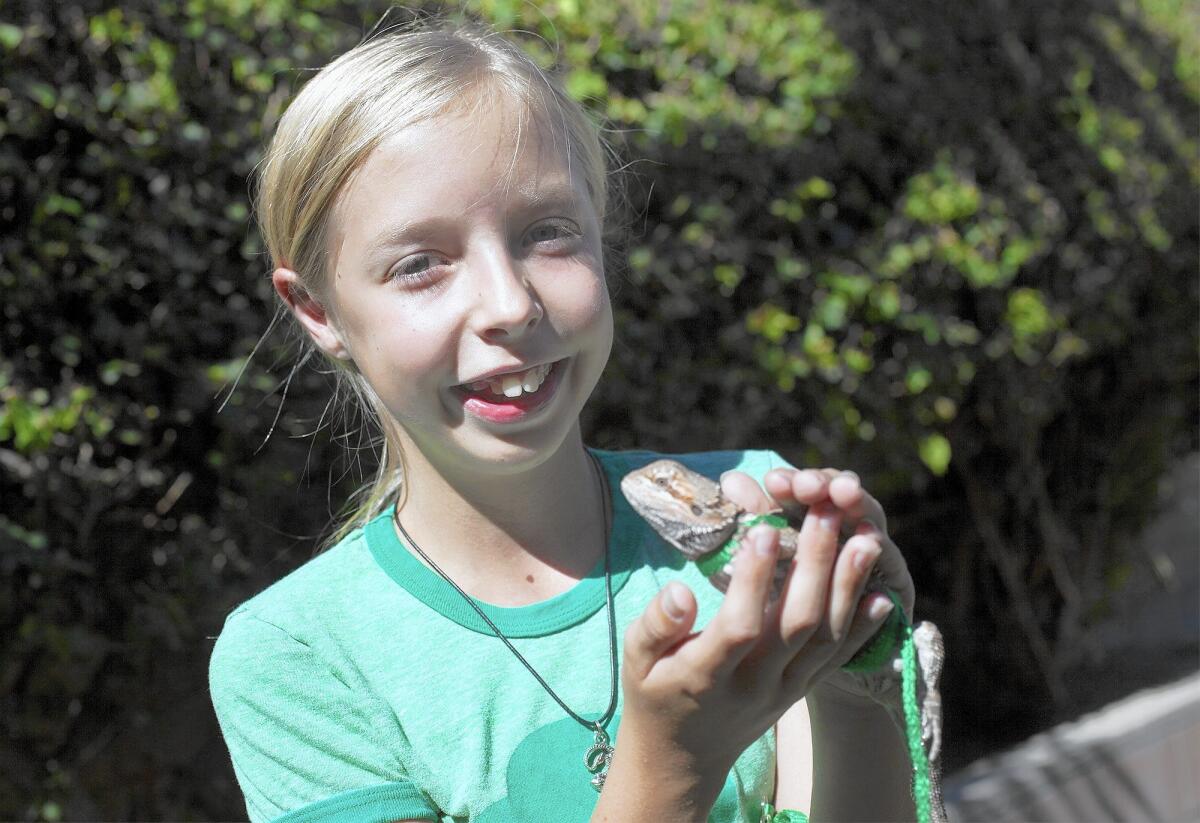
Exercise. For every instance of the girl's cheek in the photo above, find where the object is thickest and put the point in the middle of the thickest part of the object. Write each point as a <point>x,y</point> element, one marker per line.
<point>603,306</point>
<point>588,299</point>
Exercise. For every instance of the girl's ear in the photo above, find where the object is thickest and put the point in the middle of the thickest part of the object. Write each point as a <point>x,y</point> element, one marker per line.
<point>312,315</point>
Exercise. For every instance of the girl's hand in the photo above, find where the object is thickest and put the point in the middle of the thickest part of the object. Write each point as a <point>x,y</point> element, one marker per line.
<point>695,701</point>
<point>863,519</point>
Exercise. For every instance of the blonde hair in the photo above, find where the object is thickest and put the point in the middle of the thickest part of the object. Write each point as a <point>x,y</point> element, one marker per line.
<point>347,109</point>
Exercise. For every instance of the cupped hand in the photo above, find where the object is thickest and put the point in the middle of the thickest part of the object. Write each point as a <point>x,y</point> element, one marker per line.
<point>863,518</point>
<point>697,699</point>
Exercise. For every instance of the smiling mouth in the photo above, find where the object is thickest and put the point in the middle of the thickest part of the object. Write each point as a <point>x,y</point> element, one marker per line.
<point>510,397</point>
<point>514,385</point>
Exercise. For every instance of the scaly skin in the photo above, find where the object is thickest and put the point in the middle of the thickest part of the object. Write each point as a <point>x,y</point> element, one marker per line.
<point>690,512</point>
<point>931,656</point>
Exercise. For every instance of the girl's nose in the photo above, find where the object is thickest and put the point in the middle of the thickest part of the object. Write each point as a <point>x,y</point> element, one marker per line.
<point>508,306</point>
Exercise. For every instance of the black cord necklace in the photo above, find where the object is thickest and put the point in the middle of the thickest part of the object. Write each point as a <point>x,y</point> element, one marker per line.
<point>599,754</point>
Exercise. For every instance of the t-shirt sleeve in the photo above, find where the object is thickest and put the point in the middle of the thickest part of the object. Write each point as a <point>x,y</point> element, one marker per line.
<point>776,461</point>
<point>305,745</point>
<point>758,462</point>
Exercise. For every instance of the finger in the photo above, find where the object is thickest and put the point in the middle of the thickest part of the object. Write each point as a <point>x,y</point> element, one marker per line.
<point>850,575</point>
<point>744,490</point>
<point>891,566</point>
<point>738,624</point>
<point>869,617</point>
<point>806,595</point>
<point>778,483</point>
<point>666,620</point>
<point>792,487</point>
<point>847,493</point>
<point>797,486</point>
<point>805,487</point>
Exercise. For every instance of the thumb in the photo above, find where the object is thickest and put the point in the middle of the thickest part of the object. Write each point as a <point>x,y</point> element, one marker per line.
<point>667,620</point>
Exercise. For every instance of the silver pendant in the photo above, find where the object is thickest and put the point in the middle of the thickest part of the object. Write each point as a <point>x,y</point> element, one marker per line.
<point>598,757</point>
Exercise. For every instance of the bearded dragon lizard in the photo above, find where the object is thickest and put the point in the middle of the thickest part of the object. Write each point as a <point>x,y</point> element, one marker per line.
<point>691,513</point>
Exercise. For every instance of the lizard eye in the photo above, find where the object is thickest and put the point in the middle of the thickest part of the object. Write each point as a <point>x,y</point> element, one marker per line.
<point>696,510</point>
<point>662,481</point>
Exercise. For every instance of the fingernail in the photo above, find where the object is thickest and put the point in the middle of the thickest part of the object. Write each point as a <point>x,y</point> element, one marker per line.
<point>674,603</point>
<point>864,558</point>
<point>880,609</point>
<point>763,544</point>
<point>829,518</point>
<point>809,482</point>
<point>844,480</point>
<point>866,527</point>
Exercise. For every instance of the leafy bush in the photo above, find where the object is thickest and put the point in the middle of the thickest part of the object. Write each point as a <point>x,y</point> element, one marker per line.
<point>951,248</point>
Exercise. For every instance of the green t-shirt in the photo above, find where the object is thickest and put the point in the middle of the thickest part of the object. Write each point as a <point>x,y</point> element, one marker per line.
<point>361,687</point>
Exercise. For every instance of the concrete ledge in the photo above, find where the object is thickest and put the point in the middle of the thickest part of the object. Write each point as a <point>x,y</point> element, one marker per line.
<point>1135,760</point>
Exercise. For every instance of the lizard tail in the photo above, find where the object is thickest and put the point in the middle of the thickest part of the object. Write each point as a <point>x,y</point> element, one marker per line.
<point>921,658</point>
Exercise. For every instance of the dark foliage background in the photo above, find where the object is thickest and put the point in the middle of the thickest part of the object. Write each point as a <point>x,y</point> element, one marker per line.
<point>952,246</point>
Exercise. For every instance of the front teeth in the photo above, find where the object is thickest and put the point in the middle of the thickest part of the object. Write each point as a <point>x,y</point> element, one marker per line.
<point>514,385</point>
<point>511,386</point>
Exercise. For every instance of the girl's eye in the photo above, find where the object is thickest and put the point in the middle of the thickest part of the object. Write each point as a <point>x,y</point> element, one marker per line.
<point>414,269</point>
<point>557,231</point>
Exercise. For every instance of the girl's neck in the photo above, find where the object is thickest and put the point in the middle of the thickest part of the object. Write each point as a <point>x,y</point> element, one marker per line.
<point>509,539</point>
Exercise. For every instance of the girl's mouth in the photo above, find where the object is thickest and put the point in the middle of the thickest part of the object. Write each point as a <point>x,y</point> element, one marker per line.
<point>514,396</point>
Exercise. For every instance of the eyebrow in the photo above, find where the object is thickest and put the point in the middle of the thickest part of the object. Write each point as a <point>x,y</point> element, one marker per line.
<point>527,199</point>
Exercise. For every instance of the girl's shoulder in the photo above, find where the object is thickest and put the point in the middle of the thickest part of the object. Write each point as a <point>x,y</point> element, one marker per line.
<point>324,584</point>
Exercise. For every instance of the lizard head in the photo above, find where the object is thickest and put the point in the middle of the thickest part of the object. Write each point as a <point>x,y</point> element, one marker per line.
<point>685,507</point>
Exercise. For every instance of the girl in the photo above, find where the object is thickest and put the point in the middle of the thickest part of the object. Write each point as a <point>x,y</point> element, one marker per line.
<point>496,636</point>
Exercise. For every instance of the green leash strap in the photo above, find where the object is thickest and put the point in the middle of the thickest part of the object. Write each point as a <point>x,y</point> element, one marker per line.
<point>912,723</point>
<point>711,563</point>
<point>770,815</point>
<point>882,646</point>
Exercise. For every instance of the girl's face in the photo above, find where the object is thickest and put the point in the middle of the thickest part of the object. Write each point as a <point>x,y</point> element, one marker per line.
<point>468,288</point>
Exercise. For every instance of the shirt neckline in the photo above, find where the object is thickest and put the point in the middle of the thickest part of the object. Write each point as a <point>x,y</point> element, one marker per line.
<point>554,614</point>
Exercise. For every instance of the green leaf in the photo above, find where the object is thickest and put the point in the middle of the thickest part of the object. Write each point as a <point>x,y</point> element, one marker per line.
<point>10,36</point>
<point>832,311</point>
<point>1027,314</point>
<point>771,322</point>
<point>815,188</point>
<point>43,94</point>
<point>728,276</point>
<point>935,453</point>
<point>857,360</point>
<point>917,379</point>
<point>886,298</point>
<point>583,84</point>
